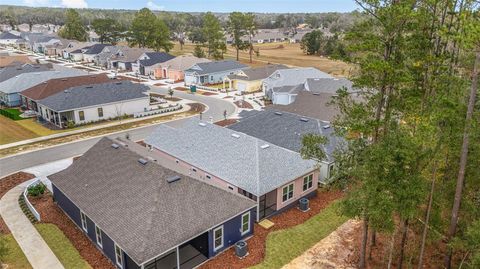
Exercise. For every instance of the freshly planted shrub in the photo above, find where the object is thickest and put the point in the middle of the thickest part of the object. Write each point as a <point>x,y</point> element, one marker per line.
<point>36,190</point>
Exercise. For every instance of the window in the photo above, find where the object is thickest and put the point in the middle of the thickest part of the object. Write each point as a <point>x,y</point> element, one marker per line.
<point>211,78</point>
<point>208,176</point>
<point>218,238</point>
<point>230,188</point>
<point>84,221</point>
<point>98,234</point>
<point>287,193</point>
<point>81,115</point>
<point>100,112</point>
<point>176,161</point>
<point>118,256</point>
<point>330,170</point>
<point>307,182</point>
<point>245,223</point>
<point>194,170</point>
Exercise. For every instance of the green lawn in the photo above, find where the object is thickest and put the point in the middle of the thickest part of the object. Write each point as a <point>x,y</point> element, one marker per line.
<point>14,112</point>
<point>15,257</point>
<point>61,246</point>
<point>285,245</point>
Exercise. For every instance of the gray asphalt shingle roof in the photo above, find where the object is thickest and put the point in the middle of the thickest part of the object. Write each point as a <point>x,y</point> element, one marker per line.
<point>293,76</point>
<point>96,48</point>
<point>240,161</point>
<point>8,35</point>
<point>258,72</point>
<point>96,94</point>
<point>286,129</point>
<point>327,85</point>
<point>155,58</point>
<point>216,66</point>
<point>14,70</point>
<point>135,205</point>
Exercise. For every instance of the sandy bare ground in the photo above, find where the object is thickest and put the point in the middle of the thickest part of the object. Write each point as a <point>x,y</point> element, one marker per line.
<point>336,251</point>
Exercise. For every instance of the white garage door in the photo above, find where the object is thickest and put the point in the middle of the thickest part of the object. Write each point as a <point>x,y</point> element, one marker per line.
<point>241,86</point>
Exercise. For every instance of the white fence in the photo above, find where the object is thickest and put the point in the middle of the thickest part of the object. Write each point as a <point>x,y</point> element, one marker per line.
<point>25,197</point>
<point>157,111</point>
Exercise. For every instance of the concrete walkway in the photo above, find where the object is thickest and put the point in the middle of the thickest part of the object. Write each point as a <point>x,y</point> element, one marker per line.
<point>30,241</point>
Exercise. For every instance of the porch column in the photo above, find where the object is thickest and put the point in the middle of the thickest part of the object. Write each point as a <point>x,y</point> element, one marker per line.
<point>230,84</point>
<point>59,120</point>
<point>224,83</point>
<point>178,257</point>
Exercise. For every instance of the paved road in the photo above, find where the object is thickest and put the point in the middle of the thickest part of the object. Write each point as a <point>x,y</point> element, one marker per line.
<point>8,165</point>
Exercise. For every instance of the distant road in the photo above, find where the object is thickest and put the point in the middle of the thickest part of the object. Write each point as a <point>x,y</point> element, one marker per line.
<point>15,163</point>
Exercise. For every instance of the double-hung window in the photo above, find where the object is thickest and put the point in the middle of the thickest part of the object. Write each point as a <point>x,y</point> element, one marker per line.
<point>100,112</point>
<point>245,223</point>
<point>307,182</point>
<point>287,192</point>
<point>118,256</point>
<point>83,217</point>
<point>98,235</point>
<point>218,238</point>
<point>81,115</point>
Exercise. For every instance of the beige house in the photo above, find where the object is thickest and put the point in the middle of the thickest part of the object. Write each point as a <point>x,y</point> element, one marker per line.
<point>250,80</point>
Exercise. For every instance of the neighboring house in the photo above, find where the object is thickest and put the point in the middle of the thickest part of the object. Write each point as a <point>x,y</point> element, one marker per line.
<point>93,37</point>
<point>274,177</point>
<point>145,64</point>
<point>24,27</point>
<point>124,58</point>
<point>284,79</point>
<point>91,103</point>
<point>7,60</point>
<point>262,36</point>
<point>9,39</point>
<point>74,50</point>
<point>11,71</point>
<point>101,59</point>
<point>141,214</point>
<point>90,54</point>
<point>41,43</point>
<point>10,88</point>
<point>56,49</point>
<point>5,27</point>
<point>31,96</point>
<point>212,72</point>
<point>286,129</point>
<point>174,69</point>
<point>250,80</point>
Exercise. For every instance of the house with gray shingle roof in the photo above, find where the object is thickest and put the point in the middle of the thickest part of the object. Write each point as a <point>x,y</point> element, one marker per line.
<point>94,102</point>
<point>250,80</point>
<point>145,64</point>
<point>143,214</point>
<point>212,72</point>
<point>273,176</point>
<point>7,38</point>
<point>286,130</point>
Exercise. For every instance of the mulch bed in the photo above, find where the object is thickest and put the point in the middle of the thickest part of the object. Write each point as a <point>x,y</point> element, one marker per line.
<point>227,97</point>
<point>6,184</point>
<point>159,84</point>
<point>54,61</point>
<point>131,79</point>
<point>226,122</point>
<point>141,143</point>
<point>208,93</point>
<point>183,89</point>
<point>197,107</point>
<point>243,104</point>
<point>256,244</point>
<point>51,213</point>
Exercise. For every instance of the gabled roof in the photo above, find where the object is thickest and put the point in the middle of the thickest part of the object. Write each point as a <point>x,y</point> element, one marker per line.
<point>215,67</point>
<point>17,69</point>
<point>327,85</point>
<point>8,35</point>
<point>127,54</point>
<point>155,58</point>
<point>75,45</point>
<point>24,81</point>
<point>183,62</point>
<point>96,48</point>
<point>241,160</point>
<point>286,129</point>
<point>135,205</point>
<point>258,72</point>
<point>53,86</point>
<point>95,94</point>
<point>290,89</point>
<point>293,76</point>
<point>14,59</point>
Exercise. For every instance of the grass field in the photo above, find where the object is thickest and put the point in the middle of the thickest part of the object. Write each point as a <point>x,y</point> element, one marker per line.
<point>14,112</point>
<point>15,257</point>
<point>13,131</point>
<point>62,247</point>
<point>285,245</point>
<point>288,54</point>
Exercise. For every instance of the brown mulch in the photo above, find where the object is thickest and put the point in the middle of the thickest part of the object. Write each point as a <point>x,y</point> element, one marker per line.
<point>227,97</point>
<point>159,84</point>
<point>226,122</point>
<point>208,93</point>
<point>197,107</point>
<point>141,143</point>
<point>256,244</point>
<point>243,104</point>
<point>183,89</point>
<point>51,213</point>
<point>8,183</point>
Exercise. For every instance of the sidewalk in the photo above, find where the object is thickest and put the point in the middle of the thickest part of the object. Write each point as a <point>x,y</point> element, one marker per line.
<point>30,241</point>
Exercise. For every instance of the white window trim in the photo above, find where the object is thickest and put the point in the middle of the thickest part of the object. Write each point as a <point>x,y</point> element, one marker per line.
<point>84,224</point>
<point>303,182</point>
<point>293,192</point>
<point>121,255</point>
<point>215,248</point>
<point>96,236</point>
<point>241,223</point>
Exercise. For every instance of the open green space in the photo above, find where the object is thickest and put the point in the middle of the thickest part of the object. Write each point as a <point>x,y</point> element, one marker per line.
<point>15,257</point>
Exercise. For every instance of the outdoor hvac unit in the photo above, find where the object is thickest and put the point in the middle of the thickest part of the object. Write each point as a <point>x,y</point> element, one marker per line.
<point>241,249</point>
<point>304,204</point>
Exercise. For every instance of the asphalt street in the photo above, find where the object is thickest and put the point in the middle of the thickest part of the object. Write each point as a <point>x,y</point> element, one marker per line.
<point>11,164</point>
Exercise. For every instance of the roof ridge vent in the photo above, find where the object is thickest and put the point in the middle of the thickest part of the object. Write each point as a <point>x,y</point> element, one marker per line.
<point>236,135</point>
<point>202,124</point>
<point>265,146</point>
<point>142,161</point>
<point>278,113</point>
<point>173,179</point>
<point>115,146</point>
<point>304,119</point>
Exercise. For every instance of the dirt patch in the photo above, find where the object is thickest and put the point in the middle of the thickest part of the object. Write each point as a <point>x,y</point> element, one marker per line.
<point>256,244</point>
<point>334,251</point>
<point>51,213</point>
<point>226,122</point>
<point>243,104</point>
<point>6,184</point>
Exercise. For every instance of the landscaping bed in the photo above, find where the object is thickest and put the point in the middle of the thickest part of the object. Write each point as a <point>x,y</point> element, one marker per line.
<point>168,98</point>
<point>208,93</point>
<point>243,104</point>
<point>131,79</point>
<point>51,213</point>
<point>284,245</point>
<point>183,89</point>
<point>226,122</point>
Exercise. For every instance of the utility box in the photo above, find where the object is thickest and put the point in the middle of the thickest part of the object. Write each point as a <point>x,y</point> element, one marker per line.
<point>304,204</point>
<point>241,249</point>
<point>193,88</point>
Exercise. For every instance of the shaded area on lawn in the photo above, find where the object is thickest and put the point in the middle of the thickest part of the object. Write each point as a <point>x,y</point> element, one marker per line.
<point>272,244</point>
